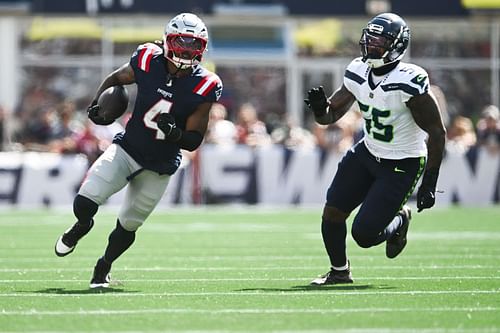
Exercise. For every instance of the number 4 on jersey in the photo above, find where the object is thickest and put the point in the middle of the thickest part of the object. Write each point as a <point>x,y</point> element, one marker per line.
<point>162,106</point>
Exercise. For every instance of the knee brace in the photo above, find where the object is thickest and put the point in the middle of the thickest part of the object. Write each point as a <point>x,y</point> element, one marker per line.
<point>84,209</point>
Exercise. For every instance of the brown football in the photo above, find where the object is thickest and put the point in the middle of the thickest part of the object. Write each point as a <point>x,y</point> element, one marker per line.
<point>113,103</point>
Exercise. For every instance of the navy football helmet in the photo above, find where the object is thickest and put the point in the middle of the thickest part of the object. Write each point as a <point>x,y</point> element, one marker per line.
<point>384,40</point>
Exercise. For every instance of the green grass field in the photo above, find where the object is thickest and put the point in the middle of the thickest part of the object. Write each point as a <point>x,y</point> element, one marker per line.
<point>248,270</point>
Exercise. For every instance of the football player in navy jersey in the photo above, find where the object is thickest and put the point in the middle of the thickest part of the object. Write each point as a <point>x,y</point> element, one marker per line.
<point>171,111</point>
<point>404,138</point>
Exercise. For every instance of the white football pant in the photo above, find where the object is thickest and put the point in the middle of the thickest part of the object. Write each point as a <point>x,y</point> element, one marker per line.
<point>108,175</point>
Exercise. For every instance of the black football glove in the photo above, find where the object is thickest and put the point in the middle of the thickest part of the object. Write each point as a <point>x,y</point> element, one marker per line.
<point>426,194</point>
<point>166,123</point>
<point>93,114</point>
<point>317,101</point>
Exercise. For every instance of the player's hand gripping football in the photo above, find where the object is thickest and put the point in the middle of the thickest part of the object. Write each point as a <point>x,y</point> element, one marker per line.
<point>317,101</point>
<point>426,194</point>
<point>93,114</point>
<point>166,123</point>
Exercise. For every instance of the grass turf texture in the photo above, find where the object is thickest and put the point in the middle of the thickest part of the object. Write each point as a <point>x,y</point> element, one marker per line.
<point>248,270</point>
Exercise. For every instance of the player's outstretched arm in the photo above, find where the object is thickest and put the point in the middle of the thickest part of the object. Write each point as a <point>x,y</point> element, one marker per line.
<point>329,110</point>
<point>425,111</point>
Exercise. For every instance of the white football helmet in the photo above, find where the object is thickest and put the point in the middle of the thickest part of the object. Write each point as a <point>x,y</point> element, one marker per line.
<point>185,40</point>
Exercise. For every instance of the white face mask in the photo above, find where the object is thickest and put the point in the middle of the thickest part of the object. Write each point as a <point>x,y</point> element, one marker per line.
<point>181,63</point>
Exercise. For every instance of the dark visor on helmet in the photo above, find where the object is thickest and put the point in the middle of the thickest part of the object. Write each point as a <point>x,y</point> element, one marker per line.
<point>374,46</point>
<point>188,43</point>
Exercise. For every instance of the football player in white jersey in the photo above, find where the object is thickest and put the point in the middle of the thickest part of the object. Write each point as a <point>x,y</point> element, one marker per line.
<point>404,138</point>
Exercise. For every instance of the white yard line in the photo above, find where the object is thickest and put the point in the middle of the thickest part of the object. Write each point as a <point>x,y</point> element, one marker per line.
<point>306,278</point>
<point>284,292</point>
<point>241,311</point>
<point>259,257</point>
<point>237,268</point>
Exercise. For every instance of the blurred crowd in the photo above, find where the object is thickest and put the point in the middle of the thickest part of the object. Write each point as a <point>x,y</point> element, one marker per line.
<point>464,135</point>
<point>62,128</point>
<point>51,116</point>
<point>247,128</point>
<point>56,128</point>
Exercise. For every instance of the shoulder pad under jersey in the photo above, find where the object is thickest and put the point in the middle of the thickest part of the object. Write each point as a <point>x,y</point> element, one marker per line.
<point>142,57</point>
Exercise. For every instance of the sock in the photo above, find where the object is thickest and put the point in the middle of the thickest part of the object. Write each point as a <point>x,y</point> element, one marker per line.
<point>334,238</point>
<point>118,242</point>
<point>391,228</point>
<point>84,210</point>
<point>343,268</point>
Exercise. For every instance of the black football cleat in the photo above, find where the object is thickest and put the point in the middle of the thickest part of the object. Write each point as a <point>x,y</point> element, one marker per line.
<point>398,240</point>
<point>67,242</point>
<point>101,277</point>
<point>334,277</point>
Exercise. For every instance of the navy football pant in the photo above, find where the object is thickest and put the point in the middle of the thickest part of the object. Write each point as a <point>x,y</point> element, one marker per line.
<point>380,186</point>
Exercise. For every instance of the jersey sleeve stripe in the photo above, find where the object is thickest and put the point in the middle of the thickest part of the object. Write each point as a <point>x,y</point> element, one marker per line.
<point>209,88</point>
<point>353,76</point>
<point>200,84</point>
<point>205,85</point>
<point>145,59</point>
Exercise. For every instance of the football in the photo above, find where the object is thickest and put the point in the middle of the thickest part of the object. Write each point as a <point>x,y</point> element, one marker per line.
<point>113,103</point>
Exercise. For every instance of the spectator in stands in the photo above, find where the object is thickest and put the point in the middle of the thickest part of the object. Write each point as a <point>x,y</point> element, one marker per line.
<point>340,136</point>
<point>220,130</point>
<point>93,140</point>
<point>65,130</point>
<point>292,136</point>
<point>251,130</point>
<point>488,128</point>
<point>66,125</point>
<point>460,135</point>
<point>41,129</point>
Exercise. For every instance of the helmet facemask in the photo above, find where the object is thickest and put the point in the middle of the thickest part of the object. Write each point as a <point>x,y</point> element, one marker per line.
<point>383,42</point>
<point>184,50</point>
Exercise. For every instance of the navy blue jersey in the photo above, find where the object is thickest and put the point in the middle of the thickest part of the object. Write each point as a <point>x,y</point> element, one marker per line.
<point>158,92</point>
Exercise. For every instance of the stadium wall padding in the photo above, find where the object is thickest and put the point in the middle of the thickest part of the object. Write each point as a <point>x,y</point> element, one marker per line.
<point>271,175</point>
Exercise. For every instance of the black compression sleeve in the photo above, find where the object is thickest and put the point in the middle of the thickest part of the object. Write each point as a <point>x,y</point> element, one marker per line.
<point>190,140</point>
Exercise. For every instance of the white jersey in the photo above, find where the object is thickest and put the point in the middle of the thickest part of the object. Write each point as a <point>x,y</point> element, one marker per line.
<point>390,130</point>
